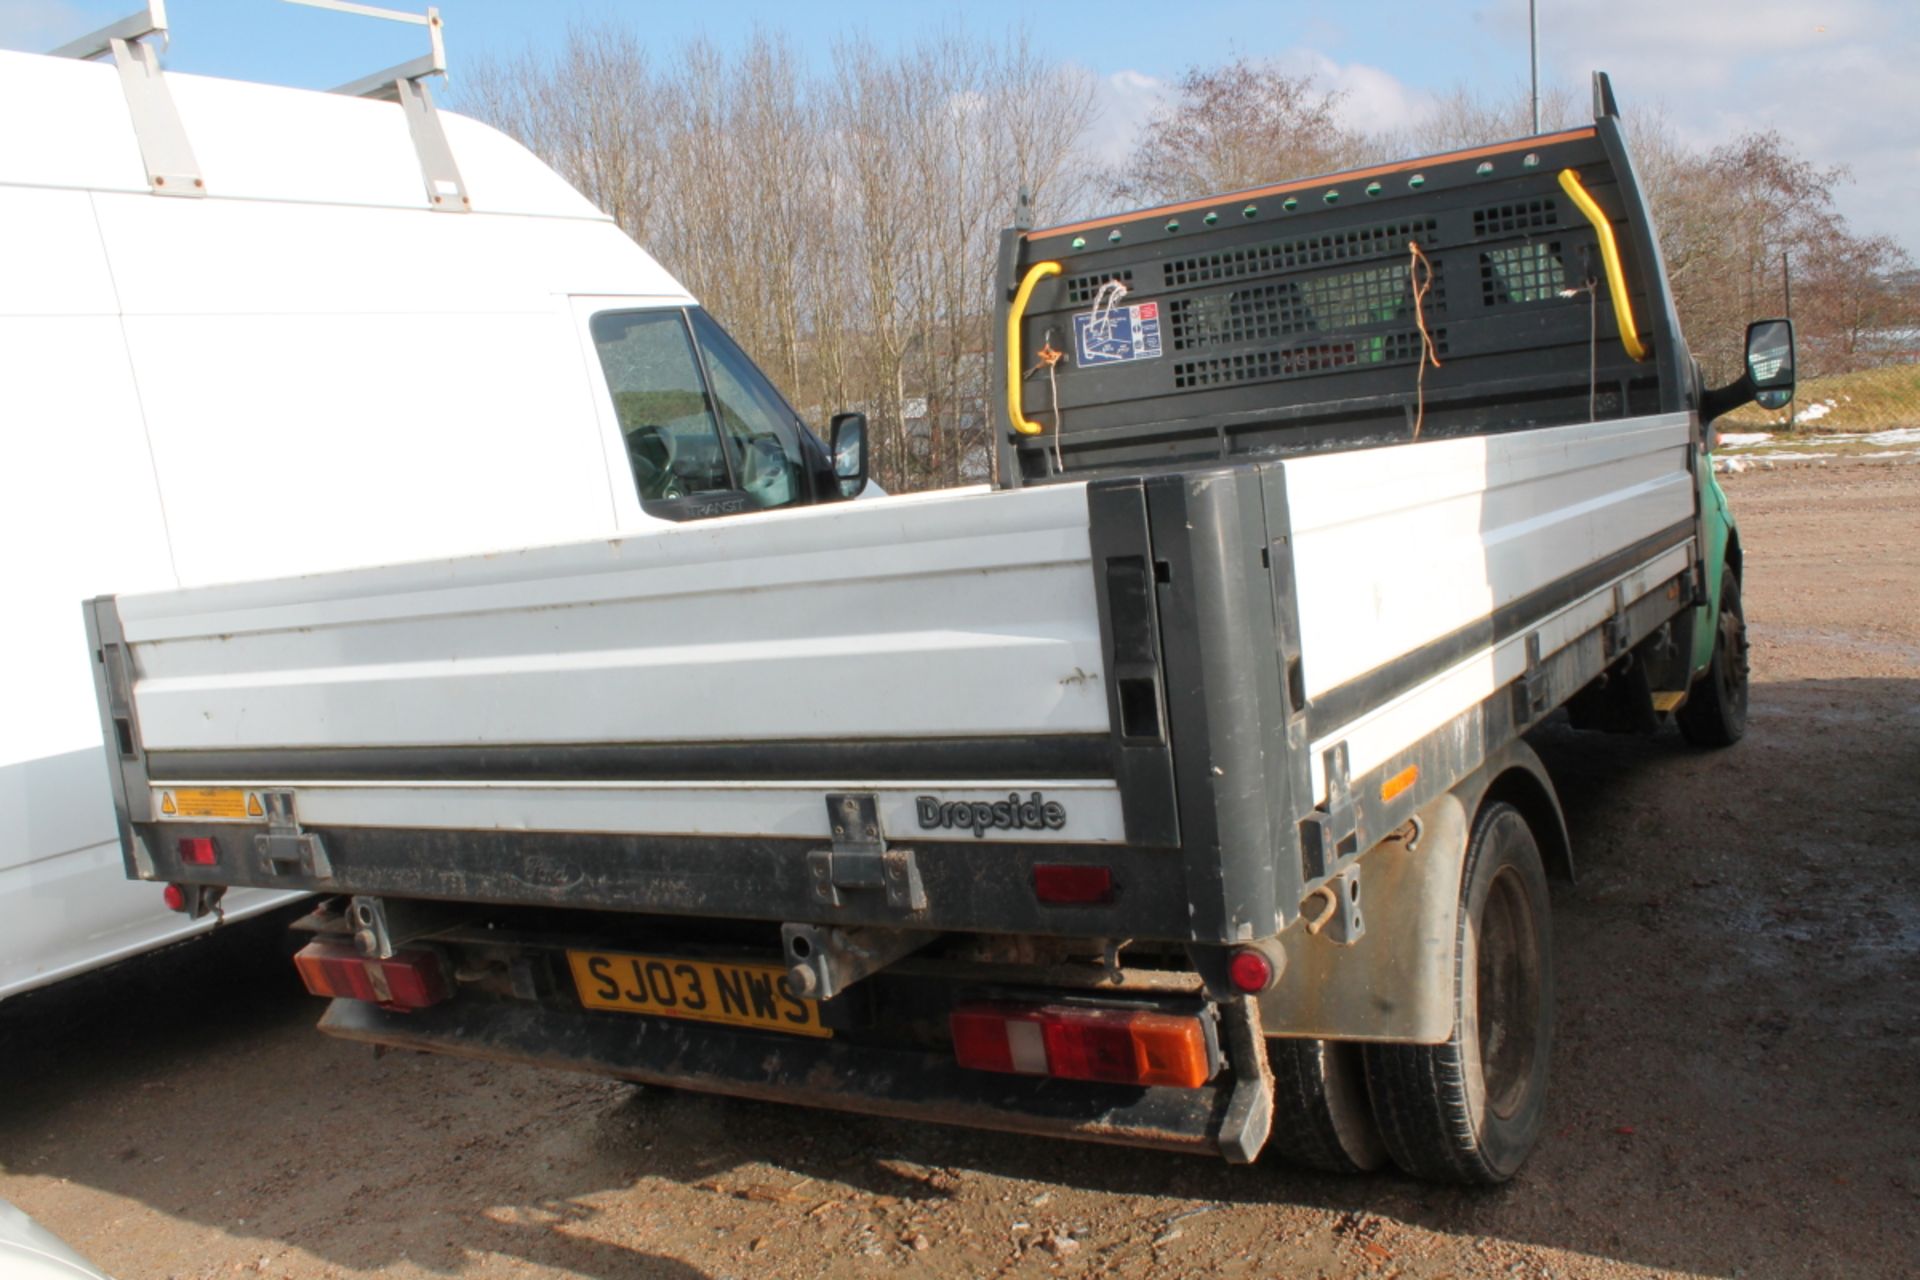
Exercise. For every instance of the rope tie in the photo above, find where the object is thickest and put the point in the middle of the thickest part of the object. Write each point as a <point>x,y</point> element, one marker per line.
<point>1049,357</point>
<point>1420,279</point>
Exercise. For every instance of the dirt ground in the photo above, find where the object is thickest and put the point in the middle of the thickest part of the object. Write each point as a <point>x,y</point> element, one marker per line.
<point>1736,1079</point>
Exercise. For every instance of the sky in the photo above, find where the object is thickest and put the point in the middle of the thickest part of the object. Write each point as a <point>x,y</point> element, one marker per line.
<point>1839,79</point>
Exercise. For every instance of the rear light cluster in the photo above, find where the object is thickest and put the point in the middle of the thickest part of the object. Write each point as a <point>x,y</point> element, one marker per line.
<point>1066,884</point>
<point>408,980</point>
<point>1124,1046</point>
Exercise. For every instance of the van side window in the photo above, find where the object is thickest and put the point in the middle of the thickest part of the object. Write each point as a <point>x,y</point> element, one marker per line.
<point>761,430</point>
<point>661,402</point>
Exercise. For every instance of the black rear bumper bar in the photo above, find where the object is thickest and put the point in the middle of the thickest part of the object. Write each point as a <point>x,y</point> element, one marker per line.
<point>1229,1118</point>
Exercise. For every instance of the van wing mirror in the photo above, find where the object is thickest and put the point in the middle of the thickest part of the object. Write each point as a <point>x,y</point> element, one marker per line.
<point>1770,362</point>
<point>850,453</point>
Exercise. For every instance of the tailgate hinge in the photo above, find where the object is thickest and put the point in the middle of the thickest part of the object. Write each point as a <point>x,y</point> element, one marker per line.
<point>860,859</point>
<point>285,849</point>
<point>1330,833</point>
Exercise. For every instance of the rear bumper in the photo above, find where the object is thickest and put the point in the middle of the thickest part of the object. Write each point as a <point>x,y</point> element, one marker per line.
<point>1228,1118</point>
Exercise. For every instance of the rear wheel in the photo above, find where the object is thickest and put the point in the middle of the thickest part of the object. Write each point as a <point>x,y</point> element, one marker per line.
<point>1715,712</point>
<point>1471,1109</point>
<point>1321,1115</point>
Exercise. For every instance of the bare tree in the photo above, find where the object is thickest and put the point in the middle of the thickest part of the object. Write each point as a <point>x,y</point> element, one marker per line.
<point>843,223</point>
<point>1236,126</point>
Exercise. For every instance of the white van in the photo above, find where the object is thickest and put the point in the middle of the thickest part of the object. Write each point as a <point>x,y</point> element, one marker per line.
<point>251,331</point>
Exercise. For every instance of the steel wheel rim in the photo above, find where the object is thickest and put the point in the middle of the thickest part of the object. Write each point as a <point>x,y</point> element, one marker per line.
<point>1733,664</point>
<point>1507,977</point>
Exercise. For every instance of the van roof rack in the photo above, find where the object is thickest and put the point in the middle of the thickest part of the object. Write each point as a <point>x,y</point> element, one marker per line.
<point>165,153</point>
<point>168,155</point>
<point>406,85</point>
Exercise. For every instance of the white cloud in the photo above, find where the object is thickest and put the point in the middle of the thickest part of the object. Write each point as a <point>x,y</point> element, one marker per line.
<point>1836,79</point>
<point>1371,99</point>
<point>1122,103</point>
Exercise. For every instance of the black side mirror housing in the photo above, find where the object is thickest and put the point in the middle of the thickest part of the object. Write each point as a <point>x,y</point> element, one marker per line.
<point>1768,381</point>
<point>849,436</point>
<point>1770,362</point>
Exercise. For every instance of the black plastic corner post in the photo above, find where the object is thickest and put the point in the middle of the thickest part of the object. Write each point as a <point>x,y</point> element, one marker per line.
<point>1604,107</point>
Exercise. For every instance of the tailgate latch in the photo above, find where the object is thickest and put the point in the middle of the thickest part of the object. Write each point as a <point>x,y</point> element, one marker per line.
<point>285,849</point>
<point>860,859</point>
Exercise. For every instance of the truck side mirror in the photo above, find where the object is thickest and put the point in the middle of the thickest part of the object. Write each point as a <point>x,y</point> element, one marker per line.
<point>1768,380</point>
<point>850,453</point>
<point>1770,362</point>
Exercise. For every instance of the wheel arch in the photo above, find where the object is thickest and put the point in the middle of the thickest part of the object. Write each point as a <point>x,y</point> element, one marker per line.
<point>1516,776</point>
<point>1395,982</point>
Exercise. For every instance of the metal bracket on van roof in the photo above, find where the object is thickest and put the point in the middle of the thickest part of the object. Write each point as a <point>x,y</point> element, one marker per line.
<point>165,153</point>
<point>405,85</point>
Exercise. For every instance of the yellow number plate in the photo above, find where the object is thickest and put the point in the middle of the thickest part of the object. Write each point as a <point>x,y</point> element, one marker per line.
<point>740,995</point>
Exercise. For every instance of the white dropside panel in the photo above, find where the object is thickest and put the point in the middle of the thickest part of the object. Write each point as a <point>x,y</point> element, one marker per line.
<point>963,613</point>
<point>1397,547</point>
<point>1383,732</point>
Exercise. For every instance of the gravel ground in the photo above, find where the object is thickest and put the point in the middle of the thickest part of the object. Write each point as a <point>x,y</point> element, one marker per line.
<point>1736,1079</point>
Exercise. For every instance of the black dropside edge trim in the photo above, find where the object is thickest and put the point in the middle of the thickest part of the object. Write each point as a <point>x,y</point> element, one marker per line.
<point>933,759</point>
<point>1345,703</point>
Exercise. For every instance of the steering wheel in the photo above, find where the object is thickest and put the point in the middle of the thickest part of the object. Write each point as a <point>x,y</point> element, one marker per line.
<point>650,453</point>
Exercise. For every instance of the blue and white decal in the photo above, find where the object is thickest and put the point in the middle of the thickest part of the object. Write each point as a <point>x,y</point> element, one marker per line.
<point>1113,335</point>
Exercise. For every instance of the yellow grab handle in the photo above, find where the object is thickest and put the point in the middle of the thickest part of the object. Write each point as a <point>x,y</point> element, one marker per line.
<point>1610,254</point>
<point>1035,274</point>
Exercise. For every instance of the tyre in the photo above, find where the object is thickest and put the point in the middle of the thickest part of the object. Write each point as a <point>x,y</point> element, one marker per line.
<point>1715,712</point>
<point>1322,1118</point>
<point>1471,1109</point>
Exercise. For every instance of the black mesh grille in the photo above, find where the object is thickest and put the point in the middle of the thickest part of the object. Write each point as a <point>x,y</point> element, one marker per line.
<point>1082,289</point>
<point>1523,273</point>
<point>1303,359</point>
<point>1352,245</point>
<point>1523,215</point>
<point>1326,304</point>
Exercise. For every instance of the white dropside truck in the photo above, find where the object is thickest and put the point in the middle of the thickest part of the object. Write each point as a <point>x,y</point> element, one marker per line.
<point>248,330</point>
<point>1173,796</point>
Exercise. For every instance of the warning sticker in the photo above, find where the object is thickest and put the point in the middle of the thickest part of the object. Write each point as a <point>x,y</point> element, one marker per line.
<point>224,803</point>
<point>1111,335</point>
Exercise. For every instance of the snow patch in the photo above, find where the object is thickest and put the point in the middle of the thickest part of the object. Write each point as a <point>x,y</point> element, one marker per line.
<point>1898,435</point>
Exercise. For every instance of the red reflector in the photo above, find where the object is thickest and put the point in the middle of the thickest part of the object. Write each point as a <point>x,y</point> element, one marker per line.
<point>1249,971</point>
<point>1063,884</point>
<point>980,1040</point>
<point>198,851</point>
<point>410,980</point>
<point>175,897</point>
<point>1124,1046</point>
